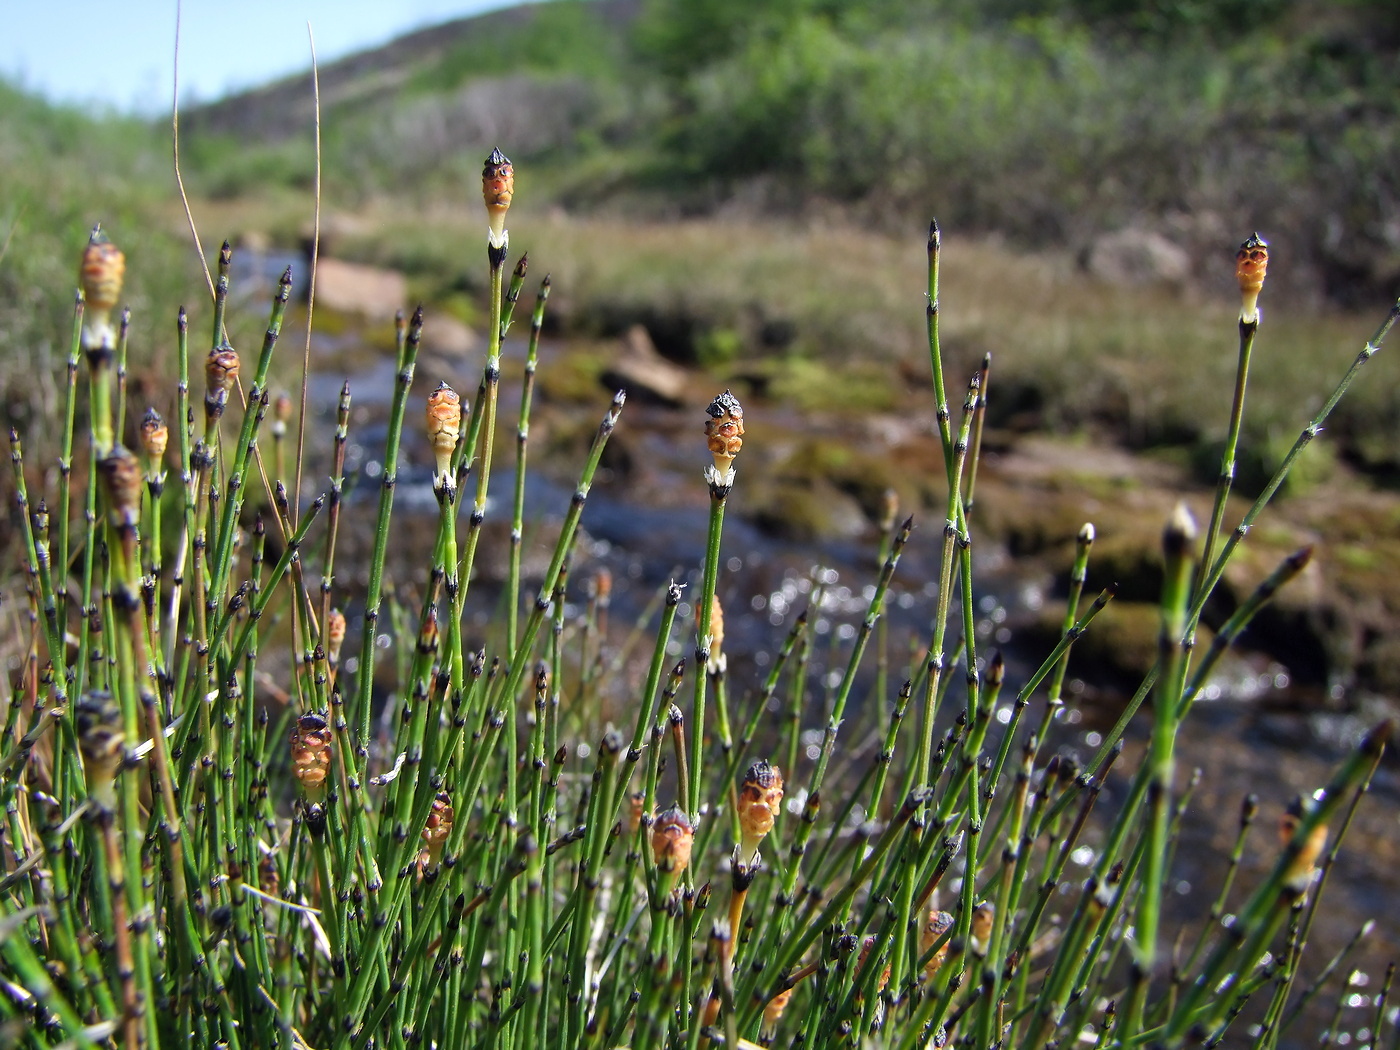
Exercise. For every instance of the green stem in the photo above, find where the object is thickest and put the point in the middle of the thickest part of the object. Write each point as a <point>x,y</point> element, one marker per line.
<point>1178,543</point>
<point>374,595</point>
<point>1248,330</point>
<point>719,493</point>
<point>522,440</point>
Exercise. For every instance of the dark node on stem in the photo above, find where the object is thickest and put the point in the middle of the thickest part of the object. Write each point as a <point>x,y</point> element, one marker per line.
<point>996,670</point>
<point>742,876</point>
<point>1377,738</point>
<point>1248,808</point>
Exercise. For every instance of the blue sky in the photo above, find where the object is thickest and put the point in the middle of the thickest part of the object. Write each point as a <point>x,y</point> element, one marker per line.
<point>119,53</point>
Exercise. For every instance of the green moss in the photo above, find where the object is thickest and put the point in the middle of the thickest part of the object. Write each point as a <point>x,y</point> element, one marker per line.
<point>846,467</point>
<point>462,307</point>
<point>574,378</point>
<point>718,346</point>
<point>807,512</point>
<point>821,386</point>
<point>1357,557</point>
<point>1120,646</point>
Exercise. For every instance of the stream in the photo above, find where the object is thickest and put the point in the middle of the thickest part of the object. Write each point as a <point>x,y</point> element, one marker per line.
<point>645,523</point>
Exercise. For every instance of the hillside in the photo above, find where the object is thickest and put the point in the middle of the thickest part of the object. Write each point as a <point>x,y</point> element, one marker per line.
<point>1053,125</point>
<point>286,108</point>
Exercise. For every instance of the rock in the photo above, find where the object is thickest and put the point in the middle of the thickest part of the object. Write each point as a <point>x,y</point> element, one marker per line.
<point>644,373</point>
<point>448,338</point>
<point>1332,627</point>
<point>1136,256</point>
<point>808,513</point>
<point>446,352</point>
<point>1118,649</point>
<point>256,241</point>
<point>353,288</point>
<point>852,465</point>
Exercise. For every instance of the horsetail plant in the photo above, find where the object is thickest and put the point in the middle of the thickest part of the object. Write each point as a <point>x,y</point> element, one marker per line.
<point>1251,266</point>
<point>227,824</point>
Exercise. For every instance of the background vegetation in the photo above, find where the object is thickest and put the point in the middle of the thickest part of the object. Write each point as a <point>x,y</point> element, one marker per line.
<point>1046,122</point>
<point>742,179</point>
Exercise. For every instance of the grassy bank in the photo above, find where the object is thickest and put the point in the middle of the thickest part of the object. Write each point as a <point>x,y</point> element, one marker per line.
<point>768,303</point>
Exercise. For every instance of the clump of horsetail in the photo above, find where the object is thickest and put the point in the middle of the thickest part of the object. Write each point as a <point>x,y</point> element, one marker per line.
<point>724,438</point>
<point>229,824</point>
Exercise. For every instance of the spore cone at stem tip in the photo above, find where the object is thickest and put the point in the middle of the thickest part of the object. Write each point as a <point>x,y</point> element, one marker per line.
<point>672,837</point>
<point>1251,266</point>
<point>724,433</point>
<point>155,435</point>
<point>122,480</point>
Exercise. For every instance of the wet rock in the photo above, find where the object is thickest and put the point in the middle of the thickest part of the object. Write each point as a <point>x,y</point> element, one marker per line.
<point>644,373</point>
<point>805,513</point>
<point>1331,627</point>
<point>336,229</point>
<point>1300,627</point>
<point>446,352</point>
<point>573,379</point>
<point>1128,558</point>
<point>856,468</point>
<point>258,266</point>
<point>1117,650</point>
<point>1036,498</point>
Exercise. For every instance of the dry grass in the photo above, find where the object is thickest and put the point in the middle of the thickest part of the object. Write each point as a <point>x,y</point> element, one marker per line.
<point>1152,365</point>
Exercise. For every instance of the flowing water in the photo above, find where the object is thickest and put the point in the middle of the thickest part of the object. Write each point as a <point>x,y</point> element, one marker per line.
<point>645,522</point>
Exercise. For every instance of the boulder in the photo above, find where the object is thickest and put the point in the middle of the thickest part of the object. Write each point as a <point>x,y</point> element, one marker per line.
<point>1134,256</point>
<point>353,288</point>
<point>644,373</point>
<point>446,337</point>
